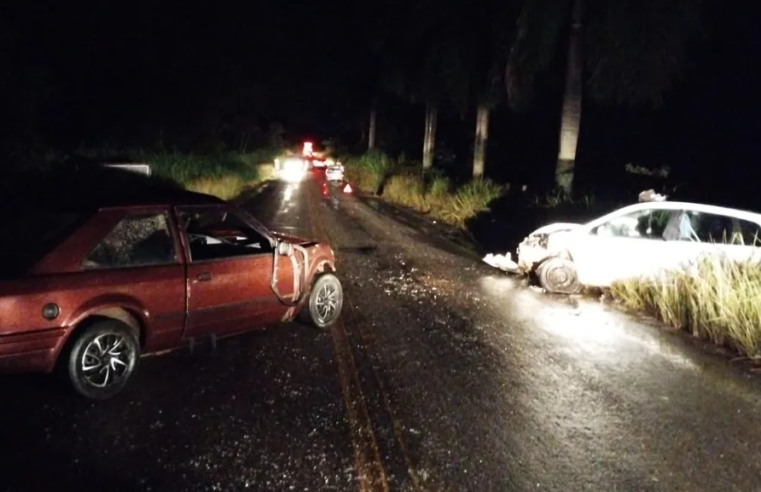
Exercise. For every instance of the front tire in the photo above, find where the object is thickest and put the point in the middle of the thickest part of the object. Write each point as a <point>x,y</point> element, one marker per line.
<point>558,276</point>
<point>325,301</point>
<point>102,359</point>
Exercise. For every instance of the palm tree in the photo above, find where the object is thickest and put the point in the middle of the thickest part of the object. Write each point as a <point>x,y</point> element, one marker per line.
<point>423,63</point>
<point>487,53</point>
<point>630,50</point>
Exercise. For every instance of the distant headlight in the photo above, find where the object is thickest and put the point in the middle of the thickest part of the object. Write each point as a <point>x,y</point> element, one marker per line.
<point>293,169</point>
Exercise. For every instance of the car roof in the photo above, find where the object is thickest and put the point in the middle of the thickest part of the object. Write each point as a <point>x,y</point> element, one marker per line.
<point>698,207</point>
<point>93,191</point>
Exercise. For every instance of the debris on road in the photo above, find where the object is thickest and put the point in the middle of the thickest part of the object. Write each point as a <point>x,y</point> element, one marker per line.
<point>503,262</point>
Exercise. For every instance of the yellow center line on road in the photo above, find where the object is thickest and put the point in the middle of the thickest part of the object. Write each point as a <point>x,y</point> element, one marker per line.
<point>368,340</point>
<point>339,333</point>
<point>371,474</point>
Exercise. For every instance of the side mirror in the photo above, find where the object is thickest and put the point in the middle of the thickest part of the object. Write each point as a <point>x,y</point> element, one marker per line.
<point>284,248</point>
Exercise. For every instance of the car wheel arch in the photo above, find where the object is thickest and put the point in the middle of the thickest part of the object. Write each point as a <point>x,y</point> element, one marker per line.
<point>118,313</point>
<point>125,316</point>
<point>324,266</point>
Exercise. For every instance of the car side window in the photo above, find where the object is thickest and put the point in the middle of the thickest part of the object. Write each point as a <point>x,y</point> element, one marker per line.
<point>220,233</point>
<point>724,229</point>
<point>644,224</point>
<point>137,240</point>
<point>751,233</point>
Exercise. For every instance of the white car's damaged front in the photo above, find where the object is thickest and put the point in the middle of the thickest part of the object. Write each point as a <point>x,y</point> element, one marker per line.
<point>545,242</point>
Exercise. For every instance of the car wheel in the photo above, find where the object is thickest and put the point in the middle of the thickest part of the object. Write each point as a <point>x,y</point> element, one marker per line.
<point>102,359</point>
<point>325,301</point>
<point>558,275</point>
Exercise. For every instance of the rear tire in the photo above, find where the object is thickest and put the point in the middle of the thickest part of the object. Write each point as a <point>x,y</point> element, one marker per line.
<point>558,276</point>
<point>325,303</point>
<point>102,359</point>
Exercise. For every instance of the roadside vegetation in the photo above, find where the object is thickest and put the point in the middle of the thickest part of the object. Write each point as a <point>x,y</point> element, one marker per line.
<point>222,174</point>
<point>719,300</point>
<point>432,194</point>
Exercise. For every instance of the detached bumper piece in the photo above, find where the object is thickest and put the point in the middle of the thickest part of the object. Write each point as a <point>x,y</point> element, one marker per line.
<point>503,262</point>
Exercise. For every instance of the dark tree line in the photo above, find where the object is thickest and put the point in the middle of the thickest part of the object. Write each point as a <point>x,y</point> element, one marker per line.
<point>140,73</point>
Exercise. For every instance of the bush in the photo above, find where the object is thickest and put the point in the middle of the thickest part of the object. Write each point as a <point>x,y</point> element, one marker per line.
<point>223,174</point>
<point>468,201</point>
<point>406,190</point>
<point>368,171</point>
<point>559,199</point>
<point>403,185</point>
<point>226,187</point>
<point>718,299</point>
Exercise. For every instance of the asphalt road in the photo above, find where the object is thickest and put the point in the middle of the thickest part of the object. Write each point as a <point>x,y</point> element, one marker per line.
<point>443,375</point>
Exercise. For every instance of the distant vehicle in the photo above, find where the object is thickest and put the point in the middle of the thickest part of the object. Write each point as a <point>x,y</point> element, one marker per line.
<point>291,168</point>
<point>640,240</point>
<point>96,285</point>
<point>335,172</point>
<point>308,149</point>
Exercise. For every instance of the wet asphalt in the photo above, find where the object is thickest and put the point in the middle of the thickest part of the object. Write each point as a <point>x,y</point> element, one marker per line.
<point>443,375</point>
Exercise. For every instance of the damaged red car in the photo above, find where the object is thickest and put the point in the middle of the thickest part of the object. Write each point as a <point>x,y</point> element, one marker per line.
<point>89,290</point>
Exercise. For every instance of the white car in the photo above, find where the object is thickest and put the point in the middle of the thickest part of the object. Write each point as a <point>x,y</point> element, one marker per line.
<point>335,173</point>
<point>640,240</point>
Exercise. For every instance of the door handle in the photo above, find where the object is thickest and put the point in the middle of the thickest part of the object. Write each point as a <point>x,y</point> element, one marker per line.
<point>204,277</point>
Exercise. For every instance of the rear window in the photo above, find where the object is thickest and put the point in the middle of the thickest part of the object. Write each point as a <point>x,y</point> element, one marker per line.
<point>27,237</point>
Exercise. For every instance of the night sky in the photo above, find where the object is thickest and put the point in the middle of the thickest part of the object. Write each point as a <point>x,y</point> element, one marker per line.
<point>128,74</point>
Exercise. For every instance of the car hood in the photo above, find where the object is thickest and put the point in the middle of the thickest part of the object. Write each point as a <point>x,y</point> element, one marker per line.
<point>556,227</point>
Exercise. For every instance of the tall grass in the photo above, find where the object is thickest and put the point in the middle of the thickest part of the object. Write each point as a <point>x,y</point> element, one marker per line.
<point>718,300</point>
<point>369,170</point>
<point>559,198</point>
<point>224,174</point>
<point>433,194</point>
<point>468,201</point>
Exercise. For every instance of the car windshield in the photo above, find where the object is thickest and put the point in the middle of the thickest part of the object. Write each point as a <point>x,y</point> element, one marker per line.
<point>28,237</point>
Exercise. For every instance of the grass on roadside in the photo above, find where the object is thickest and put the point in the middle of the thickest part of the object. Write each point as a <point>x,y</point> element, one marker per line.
<point>224,175</point>
<point>434,195</point>
<point>559,199</point>
<point>719,300</point>
<point>368,171</point>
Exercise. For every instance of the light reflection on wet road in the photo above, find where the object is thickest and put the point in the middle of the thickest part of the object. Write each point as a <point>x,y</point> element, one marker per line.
<point>469,381</point>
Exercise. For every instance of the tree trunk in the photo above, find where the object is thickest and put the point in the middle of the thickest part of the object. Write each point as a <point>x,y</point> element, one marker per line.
<point>429,141</point>
<point>482,136</point>
<point>371,133</point>
<point>571,115</point>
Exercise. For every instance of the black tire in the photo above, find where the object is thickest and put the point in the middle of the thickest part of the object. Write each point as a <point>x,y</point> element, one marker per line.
<point>558,276</point>
<point>107,339</point>
<point>313,311</point>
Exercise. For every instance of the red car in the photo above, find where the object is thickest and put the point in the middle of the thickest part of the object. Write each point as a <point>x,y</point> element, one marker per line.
<point>91,289</point>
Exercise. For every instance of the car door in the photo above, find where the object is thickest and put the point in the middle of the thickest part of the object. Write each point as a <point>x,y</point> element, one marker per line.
<point>229,268</point>
<point>626,246</point>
